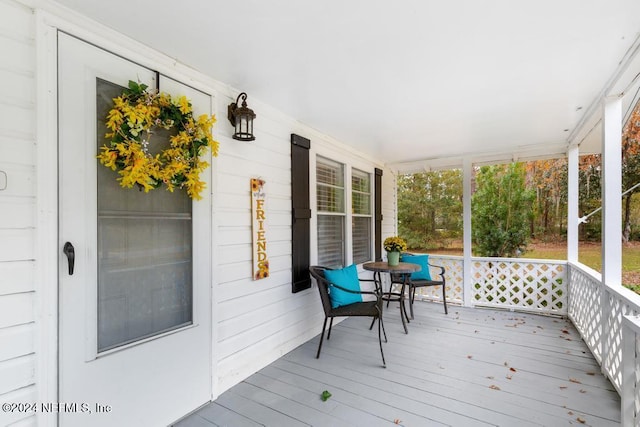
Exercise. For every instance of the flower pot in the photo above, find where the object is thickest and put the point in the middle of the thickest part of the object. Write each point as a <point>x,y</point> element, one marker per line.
<point>393,258</point>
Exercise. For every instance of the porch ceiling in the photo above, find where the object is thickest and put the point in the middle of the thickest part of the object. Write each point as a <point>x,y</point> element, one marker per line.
<point>410,80</point>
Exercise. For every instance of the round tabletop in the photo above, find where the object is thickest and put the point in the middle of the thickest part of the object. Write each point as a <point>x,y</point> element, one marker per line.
<point>383,266</point>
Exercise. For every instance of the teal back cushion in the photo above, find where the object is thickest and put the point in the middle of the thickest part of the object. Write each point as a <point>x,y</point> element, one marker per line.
<point>347,278</point>
<point>422,261</point>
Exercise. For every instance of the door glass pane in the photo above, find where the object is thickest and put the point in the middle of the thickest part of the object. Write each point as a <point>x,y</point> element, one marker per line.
<point>144,250</point>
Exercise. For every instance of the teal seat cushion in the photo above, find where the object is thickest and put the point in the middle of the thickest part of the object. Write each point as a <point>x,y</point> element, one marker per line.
<point>347,278</point>
<point>422,261</point>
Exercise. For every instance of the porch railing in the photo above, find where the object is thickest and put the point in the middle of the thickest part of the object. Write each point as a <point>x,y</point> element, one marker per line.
<point>533,285</point>
<point>454,278</point>
<point>631,371</point>
<point>597,311</point>
<point>514,283</point>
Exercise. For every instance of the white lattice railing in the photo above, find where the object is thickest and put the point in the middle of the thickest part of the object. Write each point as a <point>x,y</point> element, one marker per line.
<point>454,280</point>
<point>585,306</point>
<point>514,283</point>
<point>631,371</point>
<point>597,311</point>
<point>520,284</point>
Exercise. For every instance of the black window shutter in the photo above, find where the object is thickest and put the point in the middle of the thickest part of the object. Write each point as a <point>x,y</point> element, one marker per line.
<point>378,213</point>
<point>301,213</point>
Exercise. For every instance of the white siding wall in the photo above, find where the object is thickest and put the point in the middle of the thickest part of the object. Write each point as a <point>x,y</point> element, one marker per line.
<point>255,322</point>
<point>259,321</point>
<point>17,208</point>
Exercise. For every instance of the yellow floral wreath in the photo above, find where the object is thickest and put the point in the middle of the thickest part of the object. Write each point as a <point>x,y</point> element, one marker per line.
<point>131,122</point>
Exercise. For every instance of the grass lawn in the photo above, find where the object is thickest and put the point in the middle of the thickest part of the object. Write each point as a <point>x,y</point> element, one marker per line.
<point>590,254</point>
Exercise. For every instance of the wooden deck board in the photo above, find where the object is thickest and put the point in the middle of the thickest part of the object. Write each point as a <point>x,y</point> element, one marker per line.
<point>255,409</point>
<point>341,414</point>
<point>471,367</point>
<point>217,415</point>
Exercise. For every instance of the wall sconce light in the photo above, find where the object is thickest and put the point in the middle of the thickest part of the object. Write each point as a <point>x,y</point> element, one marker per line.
<point>242,119</point>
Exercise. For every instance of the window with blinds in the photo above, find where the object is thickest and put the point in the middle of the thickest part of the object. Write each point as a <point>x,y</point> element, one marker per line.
<point>361,215</point>
<point>330,191</point>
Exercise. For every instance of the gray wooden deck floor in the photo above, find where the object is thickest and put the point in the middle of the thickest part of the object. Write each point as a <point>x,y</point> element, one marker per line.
<point>472,367</point>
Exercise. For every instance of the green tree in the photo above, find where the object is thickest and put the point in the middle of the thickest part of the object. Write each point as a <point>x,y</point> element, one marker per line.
<point>430,208</point>
<point>590,197</point>
<point>630,167</point>
<point>502,209</point>
<point>548,180</point>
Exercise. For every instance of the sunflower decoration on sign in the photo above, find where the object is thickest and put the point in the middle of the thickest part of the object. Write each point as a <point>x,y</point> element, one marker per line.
<point>132,121</point>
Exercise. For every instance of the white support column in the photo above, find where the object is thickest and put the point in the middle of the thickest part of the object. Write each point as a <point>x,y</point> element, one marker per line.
<point>573,189</point>
<point>467,269</point>
<point>612,192</point>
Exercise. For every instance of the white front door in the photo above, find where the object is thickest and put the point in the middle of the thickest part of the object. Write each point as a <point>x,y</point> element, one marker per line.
<point>135,313</point>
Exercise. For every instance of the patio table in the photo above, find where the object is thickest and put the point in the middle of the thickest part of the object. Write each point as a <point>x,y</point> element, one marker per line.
<point>404,269</point>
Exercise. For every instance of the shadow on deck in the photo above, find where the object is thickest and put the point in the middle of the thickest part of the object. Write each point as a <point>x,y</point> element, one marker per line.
<point>472,367</point>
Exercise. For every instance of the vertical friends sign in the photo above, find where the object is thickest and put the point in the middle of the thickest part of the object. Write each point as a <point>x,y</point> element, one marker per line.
<point>259,225</point>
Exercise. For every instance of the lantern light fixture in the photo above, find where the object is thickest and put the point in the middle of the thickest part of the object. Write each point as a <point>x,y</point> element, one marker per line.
<point>242,119</point>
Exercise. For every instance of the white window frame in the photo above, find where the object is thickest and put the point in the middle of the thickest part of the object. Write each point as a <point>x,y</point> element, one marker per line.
<point>349,163</point>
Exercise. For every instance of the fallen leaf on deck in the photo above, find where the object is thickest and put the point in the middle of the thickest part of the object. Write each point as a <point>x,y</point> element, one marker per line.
<point>509,377</point>
<point>583,391</point>
<point>591,373</point>
<point>494,387</point>
<point>397,421</point>
<point>506,364</point>
<point>570,412</point>
<point>512,369</point>
<point>476,331</point>
<point>573,380</point>
<point>325,396</point>
<point>469,357</point>
<point>492,377</point>
<point>540,327</point>
<point>581,420</point>
<point>562,387</point>
<point>564,331</point>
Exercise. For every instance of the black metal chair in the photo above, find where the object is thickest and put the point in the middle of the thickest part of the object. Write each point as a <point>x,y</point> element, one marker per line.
<point>420,283</point>
<point>366,308</point>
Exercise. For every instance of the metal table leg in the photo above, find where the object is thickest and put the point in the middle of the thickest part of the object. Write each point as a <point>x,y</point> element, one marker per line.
<point>396,296</point>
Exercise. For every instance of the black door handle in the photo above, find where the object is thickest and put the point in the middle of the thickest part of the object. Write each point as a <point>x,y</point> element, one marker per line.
<point>70,252</point>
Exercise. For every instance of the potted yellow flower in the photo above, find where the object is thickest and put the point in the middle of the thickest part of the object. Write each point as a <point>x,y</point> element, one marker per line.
<point>394,245</point>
